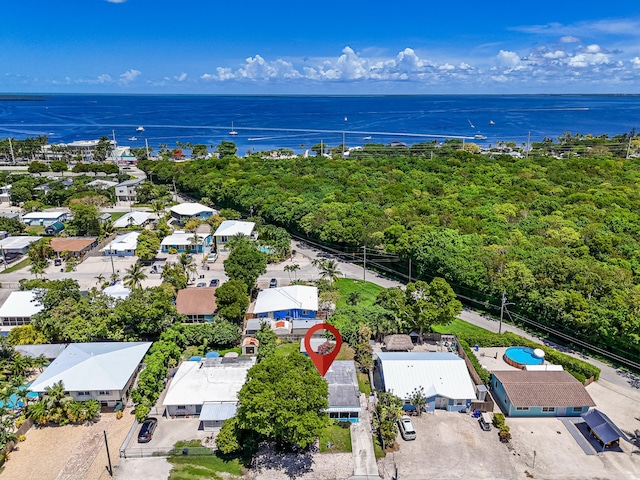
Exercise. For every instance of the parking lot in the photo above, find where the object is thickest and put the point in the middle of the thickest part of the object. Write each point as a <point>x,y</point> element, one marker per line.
<point>167,433</point>
<point>449,445</point>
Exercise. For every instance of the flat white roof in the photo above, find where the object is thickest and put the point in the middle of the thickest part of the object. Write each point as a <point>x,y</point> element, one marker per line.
<point>117,291</point>
<point>137,218</point>
<point>20,304</point>
<point>229,228</point>
<point>182,238</point>
<point>301,297</point>
<point>17,243</point>
<point>188,209</point>
<point>439,373</point>
<point>93,366</point>
<point>49,215</point>
<point>218,380</point>
<point>128,241</point>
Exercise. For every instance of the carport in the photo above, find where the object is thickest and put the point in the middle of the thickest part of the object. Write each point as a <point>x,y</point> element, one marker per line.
<point>601,427</point>
<point>213,414</point>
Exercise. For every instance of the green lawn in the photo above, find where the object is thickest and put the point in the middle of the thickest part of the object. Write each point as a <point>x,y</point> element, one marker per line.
<point>363,383</point>
<point>201,467</point>
<point>287,348</point>
<point>17,266</point>
<point>457,327</point>
<point>117,215</point>
<point>35,230</point>
<point>368,291</point>
<point>338,436</point>
<point>377,448</point>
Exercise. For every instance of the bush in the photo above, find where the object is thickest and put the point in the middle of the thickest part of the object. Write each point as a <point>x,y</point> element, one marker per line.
<point>485,375</point>
<point>142,411</point>
<point>21,438</point>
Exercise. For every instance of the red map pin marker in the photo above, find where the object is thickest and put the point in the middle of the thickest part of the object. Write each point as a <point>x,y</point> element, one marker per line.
<point>322,362</point>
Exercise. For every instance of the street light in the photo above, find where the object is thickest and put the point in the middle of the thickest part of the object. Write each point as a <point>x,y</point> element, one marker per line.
<point>502,308</point>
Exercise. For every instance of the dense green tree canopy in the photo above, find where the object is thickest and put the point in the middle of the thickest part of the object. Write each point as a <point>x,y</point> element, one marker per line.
<point>283,400</point>
<point>232,300</point>
<point>245,263</point>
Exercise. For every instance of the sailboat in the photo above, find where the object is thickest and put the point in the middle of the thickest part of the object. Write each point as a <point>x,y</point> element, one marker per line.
<point>232,132</point>
<point>491,122</point>
<point>471,124</point>
<point>140,129</point>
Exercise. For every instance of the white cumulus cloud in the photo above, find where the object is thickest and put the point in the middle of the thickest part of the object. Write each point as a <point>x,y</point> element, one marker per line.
<point>508,59</point>
<point>130,75</point>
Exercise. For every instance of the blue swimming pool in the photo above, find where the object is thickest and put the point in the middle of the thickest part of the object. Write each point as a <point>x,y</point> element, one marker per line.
<point>13,400</point>
<point>521,356</point>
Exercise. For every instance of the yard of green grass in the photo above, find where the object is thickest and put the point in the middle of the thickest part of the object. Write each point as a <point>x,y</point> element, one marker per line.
<point>363,383</point>
<point>117,215</point>
<point>336,438</point>
<point>377,448</point>
<point>368,291</point>
<point>459,327</point>
<point>286,348</point>
<point>188,467</point>
<point>17,266</point>
<point>35,230</point>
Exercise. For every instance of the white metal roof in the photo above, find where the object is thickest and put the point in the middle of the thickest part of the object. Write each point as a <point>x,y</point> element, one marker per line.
<point>117,291</point>
<point>439,373</point>
<point>49,215</point>
<point>218,411</point>
<point>210,380</point>
<point>128,241</point>
<point>17,243</point>
<point>46,350</point>
<point>301,297</point>
<point>20,304</point>
<point>229,228</point>
<point>102,183</point>
<point>137,218</point>
<point>93,366</point>
<point>183,238</point>
<point>188,209</point>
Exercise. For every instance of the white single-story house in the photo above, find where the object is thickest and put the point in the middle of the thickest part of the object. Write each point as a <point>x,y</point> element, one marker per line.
<point>292,302</point>
<point>181,241</point>
<point>132,219</point>
<point>102,371</point>
<point>18,245</point>
<point>5,194</point>
<point>230,228</point>
<point>44,218</point>
<point>300,326</point>
<point>344,394</point>
<point>19,307</point>
<point>207,388</point>
<point>443,377</point>
<point>122,246</point>
<point>187,211</point>
<point>127,191</point>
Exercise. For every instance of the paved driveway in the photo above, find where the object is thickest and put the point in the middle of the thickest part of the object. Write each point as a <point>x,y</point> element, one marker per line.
<point>168,432</point>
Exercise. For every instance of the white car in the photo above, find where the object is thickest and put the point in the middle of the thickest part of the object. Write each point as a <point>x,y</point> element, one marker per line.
<point>406,428</point>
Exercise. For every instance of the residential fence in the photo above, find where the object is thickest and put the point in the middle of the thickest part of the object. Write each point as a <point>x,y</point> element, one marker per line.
<point>140,452</point>
<point>95,251</point>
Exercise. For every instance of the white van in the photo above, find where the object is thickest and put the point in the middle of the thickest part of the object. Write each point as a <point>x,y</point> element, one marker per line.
<point>406,428</point>
<point>212,257</point>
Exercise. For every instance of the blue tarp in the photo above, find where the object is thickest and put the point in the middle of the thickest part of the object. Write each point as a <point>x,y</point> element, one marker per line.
<point>212,355</point>
<point>195,359</point>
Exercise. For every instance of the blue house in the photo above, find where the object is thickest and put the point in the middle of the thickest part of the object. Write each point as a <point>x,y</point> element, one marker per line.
<point>540,393</point>
<point>443,377</point>
<point>122,246</point>
<point>182,241</point>
<point>295,301</point>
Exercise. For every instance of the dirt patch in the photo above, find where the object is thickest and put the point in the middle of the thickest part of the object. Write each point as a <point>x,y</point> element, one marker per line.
<point>72,452</point>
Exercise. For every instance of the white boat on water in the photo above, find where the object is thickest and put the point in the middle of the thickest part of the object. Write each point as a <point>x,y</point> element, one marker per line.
<point>232,132</point>
<point>140,129</point>
<point>133,139</point>
<point>367,138</point>
<point>491,122</point>
<point>479,137</point>
<point>470,124</point>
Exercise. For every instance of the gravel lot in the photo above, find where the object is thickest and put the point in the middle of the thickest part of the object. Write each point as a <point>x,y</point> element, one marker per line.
<point>449,445</point>
<point>68,453</point>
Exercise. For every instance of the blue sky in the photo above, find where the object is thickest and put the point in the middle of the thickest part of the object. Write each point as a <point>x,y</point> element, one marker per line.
<point>328,47</point>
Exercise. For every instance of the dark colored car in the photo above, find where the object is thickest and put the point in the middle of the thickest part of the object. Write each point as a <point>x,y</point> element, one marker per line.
<point>147,429</point>
<point>214,282</point>
<point>273,283</point>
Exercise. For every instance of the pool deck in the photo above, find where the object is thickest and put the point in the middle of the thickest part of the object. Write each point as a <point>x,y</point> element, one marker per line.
<point>491,358</point>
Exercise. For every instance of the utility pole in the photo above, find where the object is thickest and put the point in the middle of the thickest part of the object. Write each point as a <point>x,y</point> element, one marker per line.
<point>503,306</point>
<point>409,269</point>
<point>146,144</point>
<point>628,148</point>
<point>528,144</point>
<point>109,468</point>
<point>364,271</point>
<point>13,158</point>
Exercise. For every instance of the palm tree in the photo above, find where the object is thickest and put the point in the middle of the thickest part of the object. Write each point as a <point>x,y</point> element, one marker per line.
<point>188,265</point>
<point>99,279</point>
<point>37,412</point>
<point>134,276</point>
<point>294,267</point>
<point>328,269</point>
<point>55,396</point>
